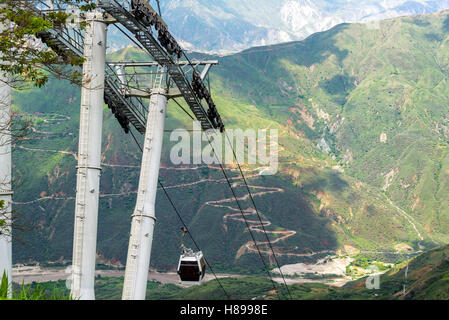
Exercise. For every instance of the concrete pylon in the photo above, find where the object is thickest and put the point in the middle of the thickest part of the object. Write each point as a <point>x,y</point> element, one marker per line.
<point>5,178</point>
<point>144,217</point>
<point>89,158</point>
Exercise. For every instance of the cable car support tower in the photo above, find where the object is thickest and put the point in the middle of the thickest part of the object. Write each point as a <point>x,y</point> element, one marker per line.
<point>124,90</point>
<point>123,87</point>
<point>181,80</point>
<point>161,89</point>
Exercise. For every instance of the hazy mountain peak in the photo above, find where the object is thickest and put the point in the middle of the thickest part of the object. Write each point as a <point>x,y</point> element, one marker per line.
<point>234,25</point>
<point>297,14</point>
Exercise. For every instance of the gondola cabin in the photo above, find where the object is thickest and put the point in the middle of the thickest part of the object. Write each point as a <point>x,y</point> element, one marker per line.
<point>192,268</point>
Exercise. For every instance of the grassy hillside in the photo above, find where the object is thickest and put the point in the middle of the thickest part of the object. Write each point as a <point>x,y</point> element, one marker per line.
<point>363,136</point>
<point>375,96</point>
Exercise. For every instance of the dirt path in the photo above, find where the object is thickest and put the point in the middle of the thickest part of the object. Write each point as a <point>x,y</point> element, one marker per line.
<point>258,226</point>
<point>235,214</point>
<point>31,274</point>
<point>47,150</point>
<point>255,225</point>
<point>407,217</point>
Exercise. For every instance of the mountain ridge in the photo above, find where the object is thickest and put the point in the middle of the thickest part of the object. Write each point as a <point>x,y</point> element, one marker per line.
<point>231,26</point>
<point>351,174</point>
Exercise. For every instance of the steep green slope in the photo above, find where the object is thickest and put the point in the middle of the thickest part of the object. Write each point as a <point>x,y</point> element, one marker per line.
<point>375,99</point>
<point>333,97</point>
<point>310,206</point>
<point>427,279</point>
<point>45,194</point>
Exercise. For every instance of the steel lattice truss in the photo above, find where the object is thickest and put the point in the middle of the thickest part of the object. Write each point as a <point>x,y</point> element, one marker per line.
<point>128,83</point>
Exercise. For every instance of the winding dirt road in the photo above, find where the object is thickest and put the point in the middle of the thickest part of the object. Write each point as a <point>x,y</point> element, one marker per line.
<point>249,214</point>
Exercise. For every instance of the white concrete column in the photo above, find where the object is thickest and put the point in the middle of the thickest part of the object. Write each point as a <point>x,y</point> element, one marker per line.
<point>5,177</point>
<point>5,173</point>
<point>144,218</point>
<point>89,158</point>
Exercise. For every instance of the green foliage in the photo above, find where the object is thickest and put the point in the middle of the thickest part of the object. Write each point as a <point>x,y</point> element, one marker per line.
<point>30,292</point>
<point>5,227</point>
<point>38,293</point>
<point>4,287</point>
<point>43,291</point>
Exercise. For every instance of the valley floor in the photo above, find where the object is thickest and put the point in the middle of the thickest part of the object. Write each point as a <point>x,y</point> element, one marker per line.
<point>30,274</point>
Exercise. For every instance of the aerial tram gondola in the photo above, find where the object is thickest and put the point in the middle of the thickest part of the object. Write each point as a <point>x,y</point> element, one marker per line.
<point>191,265</point>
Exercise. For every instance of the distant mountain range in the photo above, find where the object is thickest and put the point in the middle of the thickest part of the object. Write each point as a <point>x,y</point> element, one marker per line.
<point>234,25</point>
